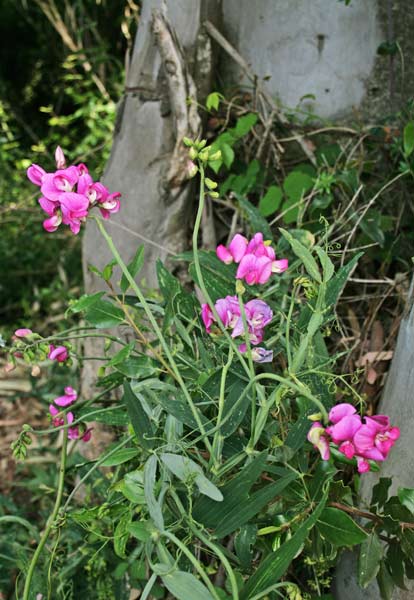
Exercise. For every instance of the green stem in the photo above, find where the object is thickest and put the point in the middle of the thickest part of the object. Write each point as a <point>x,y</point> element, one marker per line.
<point>250,361</point>
<point>51,520</point>
<point>200,278</point>
<point>218,437</point>
<point>92,469</point>
<point>156,329</point>
<point>193,561</point>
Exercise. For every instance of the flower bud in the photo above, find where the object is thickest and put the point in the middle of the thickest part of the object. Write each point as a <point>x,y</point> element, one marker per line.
<point>203,155</point>
<point>187,142</point>
<point>191,169</point>
<point>210,183</point>
<point>215,156</point>
<point>60,158</point>
<point>315,417</point>
<point>192,153</point>
<point>214,194</point>
<point>200,144</point>
<point>240,289</point>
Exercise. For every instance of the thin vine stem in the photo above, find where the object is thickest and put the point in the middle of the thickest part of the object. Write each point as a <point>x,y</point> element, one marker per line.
<point>156,329</point>
<point>51,520</point>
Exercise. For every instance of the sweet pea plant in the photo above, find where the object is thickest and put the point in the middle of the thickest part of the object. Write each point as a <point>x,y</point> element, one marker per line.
<point>234,469</point>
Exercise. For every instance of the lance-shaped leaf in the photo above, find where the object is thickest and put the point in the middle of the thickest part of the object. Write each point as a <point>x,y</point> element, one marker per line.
<point>185,469</point>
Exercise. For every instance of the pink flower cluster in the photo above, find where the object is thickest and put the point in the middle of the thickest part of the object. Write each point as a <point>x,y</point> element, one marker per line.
<point>69,193</point>
<point>258,315</point>
<point>256,258</point>
<point>58,353</point>
<point>370,438</point>
<point>68,398</point>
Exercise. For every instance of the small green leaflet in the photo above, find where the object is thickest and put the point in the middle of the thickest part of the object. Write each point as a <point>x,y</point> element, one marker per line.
<point>304,254</point>
<point>104,314</point>
<point>185,469</point>
<point>369,560</point>
<point>339,529</point>
<point>134,268</point>
<point>184,586</point>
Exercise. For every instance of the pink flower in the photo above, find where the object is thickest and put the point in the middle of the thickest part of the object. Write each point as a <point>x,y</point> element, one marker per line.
<point>63,180</point>
<point>68,398</point>
<point>340,411</point>
<point>258,315</point>
<point>74,208</point>
<point>280,266</point>
<point>345,428</point>
<point>235,252</point>
<point>60,353</point>
<point>110,206</point>
<point>60,158</point>
<point>79,432</point>
<point>24,332</point>
<point>228,310</point>
<point>36,174</point>
<point>57,416</point>
<point>51,224</point>
<point>254,270</point>
<point>207,316</point>
<point>318,437</point>
<point>375,439</point>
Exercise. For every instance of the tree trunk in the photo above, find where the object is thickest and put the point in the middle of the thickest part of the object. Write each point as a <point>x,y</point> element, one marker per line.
<point>171,62</point>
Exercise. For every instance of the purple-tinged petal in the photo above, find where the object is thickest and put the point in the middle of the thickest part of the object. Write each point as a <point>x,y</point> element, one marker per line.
<point>280,266</point>
<point>345,429</point>
<point>36,174</point>
<point>23,332</point>
<point>224,255</point>
<point>237,247</point>
<point>340,411</point>
<point>52,223</point>
<point>207,317</point>
<point>261,355</point>
<point>363,465</point>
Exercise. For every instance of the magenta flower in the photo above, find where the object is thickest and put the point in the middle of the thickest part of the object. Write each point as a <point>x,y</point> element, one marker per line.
<point>69,193</point>
<point>36,174</point>
<point>228,310</point>
<point>68,398</point>
<point>60,353</point>
<point>24,332</point>
<point>235,251</point>
<point>256,258</point>
<point>207,316</point>
<point>57,417</point>
<point>365,439</point>
<point>79,432</point>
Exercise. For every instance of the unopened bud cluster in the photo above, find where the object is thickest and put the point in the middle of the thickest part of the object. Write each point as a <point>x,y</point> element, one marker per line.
<point>199,152</point>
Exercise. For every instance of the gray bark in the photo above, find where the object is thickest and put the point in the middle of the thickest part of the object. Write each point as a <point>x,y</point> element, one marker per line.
<point>148,158</point>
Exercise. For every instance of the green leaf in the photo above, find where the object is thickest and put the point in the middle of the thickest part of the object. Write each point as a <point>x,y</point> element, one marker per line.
<point>84,302</point>
<point>339,529</point>
<point>218,277</point>
<point>369,561</point>
<point>154,507</point>
<point>243,544</point>
<point>406,497</point>
<point>213,101</point>
<point>121,456</point>
<point>295,185</point>
<point>227,154</point>
<point>257,222</point>
<point>304,254</point>
<point>116,416</point>
<point>134,268</point>
<point>395,564</point>
<point>244,125</point>
<point>185,586</point>
<point>186,469</point>
<point>108,269</point>
<point>139,529</point>
<point>121,355</point>
<point>327,265</point>
<point>409,139</point>
<point>104,314</point>
<point>139,420</point>
<point>173,403</point>
<point>121,534</point>
<point>270,202</point>
<point>137,367</point>
<point>274,566</point>
<point>385,582</point>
